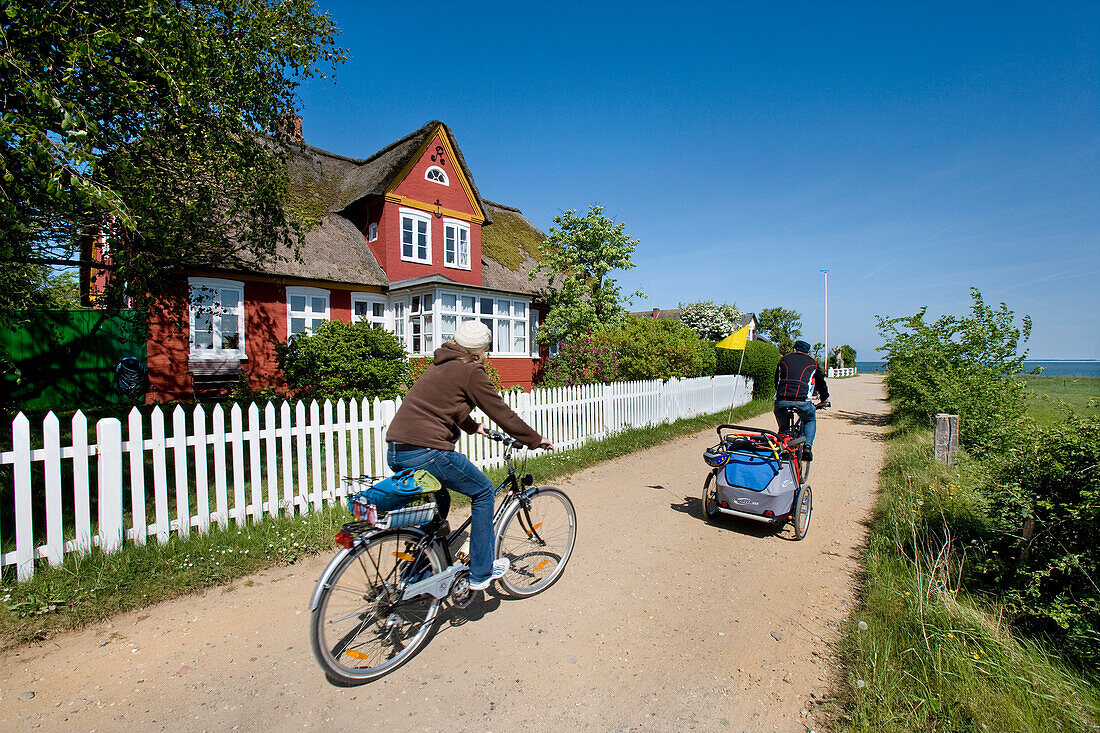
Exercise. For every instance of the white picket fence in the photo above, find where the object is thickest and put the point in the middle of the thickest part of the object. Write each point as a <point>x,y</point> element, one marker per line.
<point>845,372</point>
<point>268,461</point>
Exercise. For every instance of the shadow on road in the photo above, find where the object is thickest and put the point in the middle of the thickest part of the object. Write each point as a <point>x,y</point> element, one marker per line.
<point>693,506</point>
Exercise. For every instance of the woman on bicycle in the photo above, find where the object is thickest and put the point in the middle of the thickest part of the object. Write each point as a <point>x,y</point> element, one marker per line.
<point>423,435</point>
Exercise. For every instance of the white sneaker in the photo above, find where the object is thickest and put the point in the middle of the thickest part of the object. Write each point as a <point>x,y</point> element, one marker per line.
<point>500,567</point>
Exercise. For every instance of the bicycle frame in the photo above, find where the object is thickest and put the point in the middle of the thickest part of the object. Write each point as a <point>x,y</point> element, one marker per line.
<point>440,584</point>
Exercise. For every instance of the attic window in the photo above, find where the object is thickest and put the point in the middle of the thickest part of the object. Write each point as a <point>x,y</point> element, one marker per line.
<point>437,174</point>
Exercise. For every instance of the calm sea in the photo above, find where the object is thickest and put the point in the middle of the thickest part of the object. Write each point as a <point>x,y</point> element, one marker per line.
<point>1050,368</point>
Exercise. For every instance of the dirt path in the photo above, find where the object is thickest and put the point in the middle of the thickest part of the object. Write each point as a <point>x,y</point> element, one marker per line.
<point>662,622</point>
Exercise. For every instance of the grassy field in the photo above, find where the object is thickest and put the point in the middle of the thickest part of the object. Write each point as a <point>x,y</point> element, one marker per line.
<point>95,586</point>
<point>1048,397</point>
<point>921,654</point>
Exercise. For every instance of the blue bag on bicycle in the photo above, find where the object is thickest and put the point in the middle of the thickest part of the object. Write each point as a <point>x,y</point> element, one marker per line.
<point>397,490</point>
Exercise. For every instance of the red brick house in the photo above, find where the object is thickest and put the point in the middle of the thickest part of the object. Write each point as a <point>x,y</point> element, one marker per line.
<point>405,241</point>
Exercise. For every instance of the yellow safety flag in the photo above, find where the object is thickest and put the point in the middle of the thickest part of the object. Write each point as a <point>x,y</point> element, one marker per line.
<point>736,340</point>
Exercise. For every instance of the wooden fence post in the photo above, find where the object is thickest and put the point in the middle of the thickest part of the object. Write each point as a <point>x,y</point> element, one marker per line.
<point>109,448</point>
<point>947,438</point>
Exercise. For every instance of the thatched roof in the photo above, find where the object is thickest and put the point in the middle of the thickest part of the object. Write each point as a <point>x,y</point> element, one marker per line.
<point>337,182</point>
<point>509,251</point>
<point>324,190</point>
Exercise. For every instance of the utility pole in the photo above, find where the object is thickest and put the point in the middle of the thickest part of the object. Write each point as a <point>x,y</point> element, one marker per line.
<point>826,273</point>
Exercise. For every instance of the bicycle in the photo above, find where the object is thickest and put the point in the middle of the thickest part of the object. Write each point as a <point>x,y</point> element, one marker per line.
<point>377,600</point>
<point>797,425</point>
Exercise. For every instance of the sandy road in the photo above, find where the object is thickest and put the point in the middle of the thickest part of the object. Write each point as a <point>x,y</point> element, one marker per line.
<point>662,622</point>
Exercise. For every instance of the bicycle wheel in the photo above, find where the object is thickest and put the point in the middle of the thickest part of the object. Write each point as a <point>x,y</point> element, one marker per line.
<point>537,536</point>
<point>361,629</point>
<point>710,496</point>
<point>801,511</point>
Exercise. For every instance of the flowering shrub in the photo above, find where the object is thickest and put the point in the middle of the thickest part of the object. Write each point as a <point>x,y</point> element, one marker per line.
<point>582,361</point>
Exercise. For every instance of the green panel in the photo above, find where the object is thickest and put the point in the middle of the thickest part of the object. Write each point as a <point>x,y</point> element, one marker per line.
<point>67,358</point>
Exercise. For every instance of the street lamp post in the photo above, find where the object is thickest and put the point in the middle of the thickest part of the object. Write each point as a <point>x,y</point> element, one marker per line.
<point>826,273</point>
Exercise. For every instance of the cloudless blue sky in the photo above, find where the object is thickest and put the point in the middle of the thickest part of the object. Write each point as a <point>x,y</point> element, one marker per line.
<point>914,150</point>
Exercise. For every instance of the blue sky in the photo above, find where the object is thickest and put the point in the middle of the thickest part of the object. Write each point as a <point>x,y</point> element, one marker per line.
<point>914,150</point>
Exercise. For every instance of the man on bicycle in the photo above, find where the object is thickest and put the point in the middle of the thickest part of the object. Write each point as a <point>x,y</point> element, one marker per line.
<point>797,378</point>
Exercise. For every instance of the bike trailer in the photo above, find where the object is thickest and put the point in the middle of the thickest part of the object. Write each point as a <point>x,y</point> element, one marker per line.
<point>755,477</point>
<point>393,495</point>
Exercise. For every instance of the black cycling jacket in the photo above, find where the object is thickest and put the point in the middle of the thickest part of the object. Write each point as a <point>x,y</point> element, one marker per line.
<point>798,376</point>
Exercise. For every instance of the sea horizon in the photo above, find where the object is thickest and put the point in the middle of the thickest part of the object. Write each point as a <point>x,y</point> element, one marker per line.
<point>1051,367</point>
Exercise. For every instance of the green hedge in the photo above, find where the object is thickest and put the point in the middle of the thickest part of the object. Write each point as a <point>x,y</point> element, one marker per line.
<point>760,361</point>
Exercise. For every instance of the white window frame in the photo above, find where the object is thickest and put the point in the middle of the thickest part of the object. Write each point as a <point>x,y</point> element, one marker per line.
<point>200,285</point>
<point>445,182</point>
<point>371,300</point>
<point>372,232</point>
<point>454,260</point>
<point>416,216</point>
<point>308,294</point>
<point>518,327</point>
<point>420,323</point>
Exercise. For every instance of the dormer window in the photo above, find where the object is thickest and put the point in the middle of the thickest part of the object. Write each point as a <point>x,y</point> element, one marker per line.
<point>437,174</point>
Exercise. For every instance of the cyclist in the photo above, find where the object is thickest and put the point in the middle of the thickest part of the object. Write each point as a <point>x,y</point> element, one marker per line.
<point>797,378</point>
<point>423,435</point>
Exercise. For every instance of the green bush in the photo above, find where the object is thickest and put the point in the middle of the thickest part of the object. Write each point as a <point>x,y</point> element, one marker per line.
<point>344,360</point>
<point>760,361</point>
<point>1043,557</point>
<point>961,366</point>
<point>650,348</point>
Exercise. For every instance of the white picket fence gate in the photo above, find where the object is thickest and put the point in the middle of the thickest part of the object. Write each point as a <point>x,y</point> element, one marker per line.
<point>268,461</point>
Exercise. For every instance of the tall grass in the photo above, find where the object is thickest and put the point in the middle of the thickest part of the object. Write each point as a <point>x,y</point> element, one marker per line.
<point>88,587</point>
<point>921,654</point>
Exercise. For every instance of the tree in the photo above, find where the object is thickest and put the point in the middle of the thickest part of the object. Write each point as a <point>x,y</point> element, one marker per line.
<point>781,325</point>
<point>964,366</point>
<point>160,123</point>
<point>712,322</point>
<point>843,357</point>
<point>582,251</point>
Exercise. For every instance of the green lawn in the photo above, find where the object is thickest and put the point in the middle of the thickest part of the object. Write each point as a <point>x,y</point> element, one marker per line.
<point>1048,397</point>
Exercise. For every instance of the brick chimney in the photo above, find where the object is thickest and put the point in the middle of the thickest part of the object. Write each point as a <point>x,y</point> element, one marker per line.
<point>292,128</point>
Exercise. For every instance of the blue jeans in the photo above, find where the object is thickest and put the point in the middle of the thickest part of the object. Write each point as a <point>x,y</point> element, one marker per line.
<point>455,471</point>
<point>809,418</point>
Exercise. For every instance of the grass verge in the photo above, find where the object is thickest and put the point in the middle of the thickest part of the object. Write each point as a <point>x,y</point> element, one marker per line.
<point>97,585</point>
<point>1049,397</point>
<point>920,654</point>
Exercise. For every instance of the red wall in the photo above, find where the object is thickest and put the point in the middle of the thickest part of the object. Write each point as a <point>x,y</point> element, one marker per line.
<point>169,344</point>
<point>387,249</point>
<point>519,371</point>
<point>167,349</point>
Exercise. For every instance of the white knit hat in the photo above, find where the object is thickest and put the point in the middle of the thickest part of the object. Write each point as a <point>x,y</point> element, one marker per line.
<point>474,335</point>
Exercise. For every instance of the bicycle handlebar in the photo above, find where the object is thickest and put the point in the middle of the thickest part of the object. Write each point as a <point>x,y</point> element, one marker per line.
<point>509,441</point>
